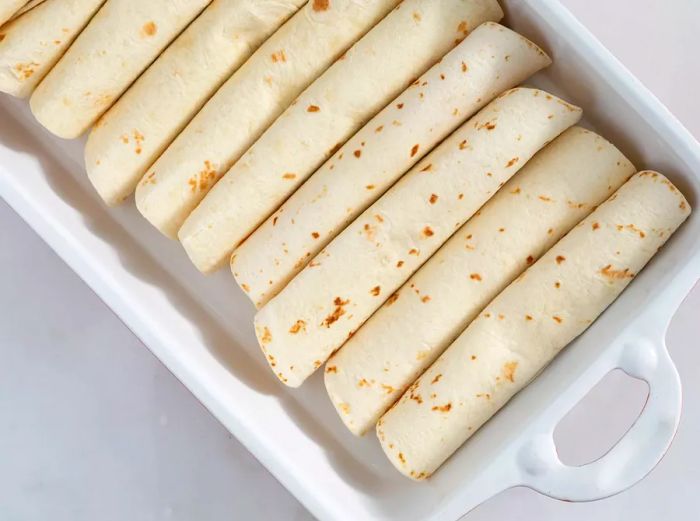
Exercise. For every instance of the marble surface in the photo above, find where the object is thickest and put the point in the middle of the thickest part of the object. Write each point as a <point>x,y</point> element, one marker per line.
<point>93,427</point>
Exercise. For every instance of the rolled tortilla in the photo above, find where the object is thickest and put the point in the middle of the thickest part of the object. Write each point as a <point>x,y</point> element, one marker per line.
<point>146,119</point>
<point>560,186</point>
<point>331,298</point>
<point>248,103</point>
<point>31,44</point>
<point>491,60</point>
<point>8,8</point>
<point>118,44</point>
<point>26,7</point>
<point>398,50</point>
<point>522,330</point>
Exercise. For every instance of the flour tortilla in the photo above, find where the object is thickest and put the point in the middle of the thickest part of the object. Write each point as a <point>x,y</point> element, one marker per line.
<point>31,44</point>
<point>331,298</point>
<point>118,44</point>
<point>398,50</point>
<point>28,6</point>
<point>8,9</point>
<point>560,186</point>
<point>140,126</point>
<point>248,103</point>
<point>489,61</point>
<point>522,330</point>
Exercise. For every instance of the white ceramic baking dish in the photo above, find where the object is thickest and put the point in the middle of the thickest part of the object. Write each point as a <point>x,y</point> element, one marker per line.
<point>201,328</point>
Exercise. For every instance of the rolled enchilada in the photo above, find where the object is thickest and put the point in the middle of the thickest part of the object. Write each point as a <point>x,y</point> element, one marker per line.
<point>522,330</point>
<point>557,188</point>
<point>350,279</point>
<point>399,49</point>
<point>138,128</point>
<point>248,103</point>
<point>118,44</point>
<point>489,61</point>
<point>31,44</point>
<point>8,8</point>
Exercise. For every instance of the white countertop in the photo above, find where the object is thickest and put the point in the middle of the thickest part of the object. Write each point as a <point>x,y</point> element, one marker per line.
<point>93,427</point>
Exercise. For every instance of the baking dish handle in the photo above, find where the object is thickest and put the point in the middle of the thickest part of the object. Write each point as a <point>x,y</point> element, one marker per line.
<point>634,456</point>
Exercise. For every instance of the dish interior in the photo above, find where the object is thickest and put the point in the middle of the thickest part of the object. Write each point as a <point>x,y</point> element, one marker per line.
<point>296,432</point>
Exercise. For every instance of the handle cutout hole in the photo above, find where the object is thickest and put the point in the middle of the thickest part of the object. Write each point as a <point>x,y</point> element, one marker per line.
<point>600,419</point>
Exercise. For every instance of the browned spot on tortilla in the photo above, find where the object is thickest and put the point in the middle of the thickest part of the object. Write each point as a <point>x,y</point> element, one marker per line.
<point>313,108</point>
<point>299,325</point>
<point>331,369</point>
<point>26,70</point>
<point>392,299</point>
<point>509,371</point>
<point>321,5</point>
<point>338,312</point>
<point>266,337</point>
<point>611,273</point>
<point>375,291</point>
<point>204,179</point>
<point>443,408</point>
<point>428,232</point>
<point>560,259</point>
<point>149,29</point>
<point>475,276</point>
<point>279,56</point>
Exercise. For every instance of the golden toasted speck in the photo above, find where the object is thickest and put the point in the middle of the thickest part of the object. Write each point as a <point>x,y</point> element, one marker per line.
<point>299,325</point>
<point>279,56</point>
<point>266,336</point>
<point>149,29</point>
<point>509,371</point>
